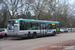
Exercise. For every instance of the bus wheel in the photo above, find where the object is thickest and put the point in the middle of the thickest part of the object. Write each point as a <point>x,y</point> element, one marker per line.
<point>29,35</point>
<point>34,35</point>
<point>5,35</point>
<point>54,33</point>
<point>1,36</point>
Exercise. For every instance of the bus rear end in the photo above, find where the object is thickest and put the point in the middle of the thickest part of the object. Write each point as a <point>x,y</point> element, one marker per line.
<point>13,28</point>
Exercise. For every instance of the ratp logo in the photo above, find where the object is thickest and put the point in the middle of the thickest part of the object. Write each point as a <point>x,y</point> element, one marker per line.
<point>49,30</point>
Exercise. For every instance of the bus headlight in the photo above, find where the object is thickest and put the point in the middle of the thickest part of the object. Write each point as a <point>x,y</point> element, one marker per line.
<point>16,21</point>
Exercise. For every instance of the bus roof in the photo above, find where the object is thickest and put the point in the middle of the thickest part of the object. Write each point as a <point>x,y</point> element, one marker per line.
<point>40,21</point>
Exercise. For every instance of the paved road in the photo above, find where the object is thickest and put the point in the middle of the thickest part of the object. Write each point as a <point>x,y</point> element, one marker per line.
<point>31,44</point>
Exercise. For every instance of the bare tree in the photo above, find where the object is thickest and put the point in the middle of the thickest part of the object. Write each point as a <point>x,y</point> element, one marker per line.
<point>12,7</point>
<point>37,7</point>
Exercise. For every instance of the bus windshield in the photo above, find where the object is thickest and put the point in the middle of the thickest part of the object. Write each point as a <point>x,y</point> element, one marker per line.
<point>11,25</point>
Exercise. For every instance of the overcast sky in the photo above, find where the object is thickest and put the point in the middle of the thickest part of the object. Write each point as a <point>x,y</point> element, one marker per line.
<point>71,3</point>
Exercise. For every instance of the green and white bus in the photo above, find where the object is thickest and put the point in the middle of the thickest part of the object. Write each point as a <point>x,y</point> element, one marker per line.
<point>32,28</point>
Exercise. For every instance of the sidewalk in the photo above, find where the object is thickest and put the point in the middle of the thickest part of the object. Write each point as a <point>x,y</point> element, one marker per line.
<point>66,45</point>
<point>70,48</point>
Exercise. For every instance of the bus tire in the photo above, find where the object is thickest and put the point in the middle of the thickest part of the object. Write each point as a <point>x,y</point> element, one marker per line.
<point>5,35</point>
<point>29,35</point>
<point>34,35</point>
<point>1,36</point>
<point>54,33</point>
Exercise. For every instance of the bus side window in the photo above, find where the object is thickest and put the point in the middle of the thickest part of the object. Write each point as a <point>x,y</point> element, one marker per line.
<point>28,26</point>
<point>35,26</point>
<point>47,26</point>
<point>50,26</point>
<point>38,26</point>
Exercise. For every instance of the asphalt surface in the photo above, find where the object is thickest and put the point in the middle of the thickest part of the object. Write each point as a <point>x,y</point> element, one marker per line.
<point>31,44</point>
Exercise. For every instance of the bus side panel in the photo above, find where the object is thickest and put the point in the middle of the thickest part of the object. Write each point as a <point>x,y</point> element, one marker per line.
<point>50,31</point>
<point>26,32</point>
